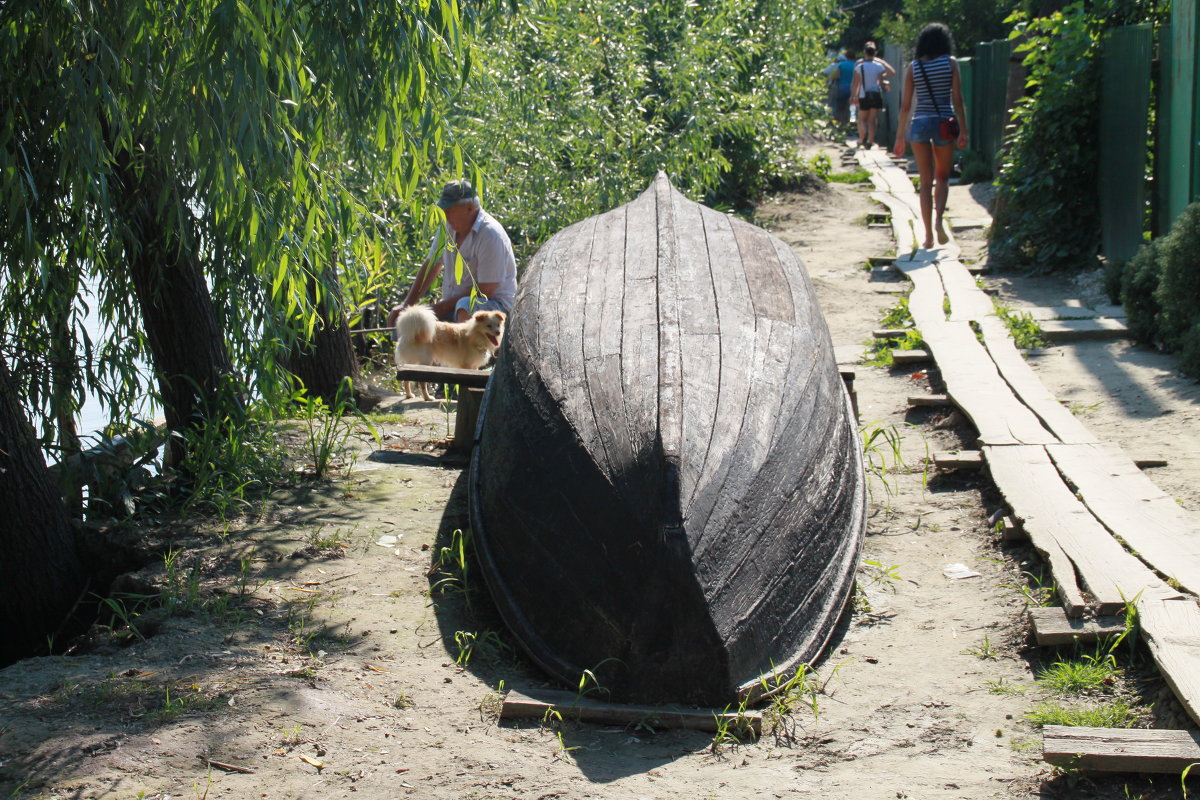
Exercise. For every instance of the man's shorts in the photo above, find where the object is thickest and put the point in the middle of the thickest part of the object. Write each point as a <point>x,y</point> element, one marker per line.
<point>924,130</point>
<point>480,304</point>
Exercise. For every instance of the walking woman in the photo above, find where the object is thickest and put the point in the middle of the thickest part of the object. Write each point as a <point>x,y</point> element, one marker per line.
<point>870,77</point>
<point>933,79</point>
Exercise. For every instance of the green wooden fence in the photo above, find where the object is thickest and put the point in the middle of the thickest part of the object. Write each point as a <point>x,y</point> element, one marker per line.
<point>1177,173</point>
<point>1124,113</point>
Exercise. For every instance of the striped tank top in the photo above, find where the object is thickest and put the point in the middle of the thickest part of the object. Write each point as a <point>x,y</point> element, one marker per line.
<point>938,72</point>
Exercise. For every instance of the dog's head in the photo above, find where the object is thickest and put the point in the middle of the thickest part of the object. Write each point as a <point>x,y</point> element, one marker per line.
<point>491,325</point>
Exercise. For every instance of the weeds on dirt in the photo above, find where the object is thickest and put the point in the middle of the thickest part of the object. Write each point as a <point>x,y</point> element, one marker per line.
<point>984,650</point>
<point>883,456</point>
<point>488,643</point>
<point>898,317</point>
<point>327,428</point>
<point>451,567</point>
<point>732,728</point>
<point>1108,714</point>
<point>492,703</point>
<point>1024,329</point>
<point>1004,688</point>
<point>1038,593</point>
<point>1080,676</point>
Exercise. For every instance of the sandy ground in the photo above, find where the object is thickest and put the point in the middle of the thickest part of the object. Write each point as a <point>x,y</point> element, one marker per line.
<point>315,653</point>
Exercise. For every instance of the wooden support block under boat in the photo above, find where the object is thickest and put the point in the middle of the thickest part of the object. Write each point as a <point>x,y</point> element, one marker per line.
<point>668,490</point>
<point>572,706</point>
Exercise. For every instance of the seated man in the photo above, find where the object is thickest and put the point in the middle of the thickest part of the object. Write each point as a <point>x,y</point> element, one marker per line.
<point>486,250</point>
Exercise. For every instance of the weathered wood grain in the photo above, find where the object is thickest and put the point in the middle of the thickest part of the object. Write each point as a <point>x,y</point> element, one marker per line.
<point>1128,503</point>
<point>1052,627</point>
<point>1171,628</point>
<point>681,514</point>
<point>1121,749</point>
<point>967,301</point>
<point>1048,510</point>
<point>517,705</point>
<point>475,378</point>
<point>1028,388</point>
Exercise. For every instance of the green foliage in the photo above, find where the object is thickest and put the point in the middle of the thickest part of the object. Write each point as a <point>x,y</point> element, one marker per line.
<point>1047,216</point>
<point>1107,714</point>
<point>1079,676</point>
<point>1159,287</point>
<point>970,21</point>
<point>256,141</point>
<point>973,167</point>
<point>572,108</point>
<point>1024,329</point>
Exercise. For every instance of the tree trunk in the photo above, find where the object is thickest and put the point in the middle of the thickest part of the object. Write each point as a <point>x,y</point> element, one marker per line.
<point>187,344</point>
<point>328,358</point>
<point>41,575</point>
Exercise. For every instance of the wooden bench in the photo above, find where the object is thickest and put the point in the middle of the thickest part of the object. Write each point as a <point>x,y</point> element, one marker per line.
<point>472,382</point>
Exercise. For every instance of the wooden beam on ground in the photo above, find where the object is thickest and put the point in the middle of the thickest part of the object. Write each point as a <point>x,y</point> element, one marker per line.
<point>1121,749</point>
<point>929,400</point>
<point>903,221</point>
<point>476,378</point>
<point>962,459</point>
<point>520,706</point>
<point>1012,532</point>
<point>1052,627</point>
<point>904,357</point>
<point>1026,385</point>
<point>890,333</point>
<point>1128,503</point>
<point>1171,628</point>
<point>1079,330</point>
<point>1051,514</point>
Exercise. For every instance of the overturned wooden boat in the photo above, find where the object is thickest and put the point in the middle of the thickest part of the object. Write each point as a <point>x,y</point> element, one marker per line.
<point>667,488</point>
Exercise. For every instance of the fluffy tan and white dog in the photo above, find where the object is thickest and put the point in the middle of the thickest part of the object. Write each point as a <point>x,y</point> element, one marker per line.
<point>421,338</point>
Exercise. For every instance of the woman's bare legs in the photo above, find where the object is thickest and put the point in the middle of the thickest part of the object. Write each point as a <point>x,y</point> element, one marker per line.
<point>943,158</point>
<point>923,153</point>
<point>870,119</point>
<point>862,128</point>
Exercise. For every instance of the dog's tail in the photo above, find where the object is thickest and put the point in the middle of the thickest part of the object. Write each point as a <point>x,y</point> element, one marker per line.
<point>417,325</point>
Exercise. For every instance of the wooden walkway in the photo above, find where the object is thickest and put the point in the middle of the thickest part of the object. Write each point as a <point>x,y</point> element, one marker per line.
<point>1110,536</point>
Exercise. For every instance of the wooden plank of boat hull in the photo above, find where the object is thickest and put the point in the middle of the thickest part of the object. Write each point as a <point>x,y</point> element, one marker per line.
<point>601,346</point>
<point>570,320</point>
<point>1034,490</point>
<point>769,289</point>
<point>700,353</point>
<point>1134,509</point>
<point>670,378</point>
<point>967,301</point>
<point>571,706</point>
<point>639,325</point>
<point>738,343</point>
<point>1028,387</point>
<point>1120,749</point>
<point>1171,628</point>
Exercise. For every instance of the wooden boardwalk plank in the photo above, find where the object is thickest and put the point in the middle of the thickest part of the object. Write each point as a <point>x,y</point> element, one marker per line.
<point>967,301</point>
<point>1128,503</point>
<point>1028,387</point>
<point>1171,628</point>
<point>1121,749</point>
<point>902,219</point>
<point>1048,510</point>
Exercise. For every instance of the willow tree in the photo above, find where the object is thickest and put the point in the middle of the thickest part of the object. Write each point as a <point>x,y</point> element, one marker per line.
<point>177,169</point>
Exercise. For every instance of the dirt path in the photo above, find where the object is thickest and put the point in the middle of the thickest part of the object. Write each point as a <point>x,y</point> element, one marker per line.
<point>316,651</point>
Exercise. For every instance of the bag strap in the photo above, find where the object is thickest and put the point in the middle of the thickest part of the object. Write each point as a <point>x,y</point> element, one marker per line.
<point>928,86</point>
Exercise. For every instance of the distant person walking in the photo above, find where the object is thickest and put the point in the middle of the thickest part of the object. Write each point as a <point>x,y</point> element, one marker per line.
<point>841,75</point>
<point>933,80</point>
<point>870,80</point>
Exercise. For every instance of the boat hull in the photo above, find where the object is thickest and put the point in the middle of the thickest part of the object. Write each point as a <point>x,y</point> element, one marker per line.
<point>667,489</point>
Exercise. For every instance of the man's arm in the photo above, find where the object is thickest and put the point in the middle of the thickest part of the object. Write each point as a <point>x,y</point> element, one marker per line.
<point>423,282</point>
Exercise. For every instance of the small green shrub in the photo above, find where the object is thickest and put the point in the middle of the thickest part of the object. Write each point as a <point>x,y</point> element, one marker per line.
<point>1023,328</point>
<point>1159,287</point>
<point>974,168</point>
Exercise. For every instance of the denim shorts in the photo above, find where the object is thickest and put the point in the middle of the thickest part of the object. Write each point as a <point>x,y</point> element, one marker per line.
<point>464,303</point>
<point>924,130</point>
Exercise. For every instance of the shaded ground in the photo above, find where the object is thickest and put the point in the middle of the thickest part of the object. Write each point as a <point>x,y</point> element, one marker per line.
<point>315,643</point>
